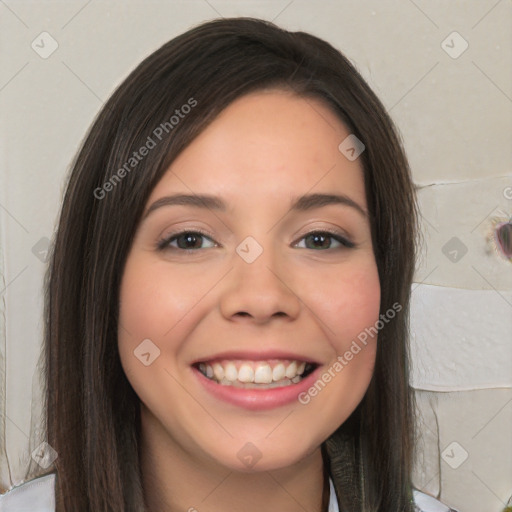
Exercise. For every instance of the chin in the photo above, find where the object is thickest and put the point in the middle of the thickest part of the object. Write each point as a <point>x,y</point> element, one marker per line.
<point>265,454</point>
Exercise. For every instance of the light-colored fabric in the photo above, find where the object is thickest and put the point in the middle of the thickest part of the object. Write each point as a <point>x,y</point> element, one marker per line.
<point>422,501</point>
<point>38,495</point>
<point>426,503</point>
<point>333,502</point>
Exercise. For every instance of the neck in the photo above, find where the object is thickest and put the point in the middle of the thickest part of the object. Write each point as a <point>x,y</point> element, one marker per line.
<point>176,481</point>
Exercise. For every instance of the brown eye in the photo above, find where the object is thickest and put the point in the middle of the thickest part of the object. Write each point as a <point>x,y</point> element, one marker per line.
<point>185,240</point>
<point>323,240</point>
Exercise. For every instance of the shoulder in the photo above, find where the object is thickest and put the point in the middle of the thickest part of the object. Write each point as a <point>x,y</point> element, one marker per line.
<point>38,495</point>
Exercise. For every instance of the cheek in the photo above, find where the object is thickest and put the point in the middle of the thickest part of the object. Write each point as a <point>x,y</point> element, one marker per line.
<point>346,306</point>
<point>160,306</point>
<point>146,312</point>
<point>348,303</point>
<point>149,309</point>
<point>154,301</point>
<point>351,310</point>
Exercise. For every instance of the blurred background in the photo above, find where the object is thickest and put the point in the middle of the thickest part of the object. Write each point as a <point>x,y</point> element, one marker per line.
<point>443,71</point>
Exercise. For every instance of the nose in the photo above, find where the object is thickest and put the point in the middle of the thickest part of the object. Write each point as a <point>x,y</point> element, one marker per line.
<point>260,291</point>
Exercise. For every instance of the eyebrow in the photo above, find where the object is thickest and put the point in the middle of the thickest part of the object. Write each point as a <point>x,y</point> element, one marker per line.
<point>302,203</point>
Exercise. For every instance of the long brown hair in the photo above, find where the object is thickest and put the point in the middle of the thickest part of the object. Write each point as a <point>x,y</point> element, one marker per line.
<point>93,417</point>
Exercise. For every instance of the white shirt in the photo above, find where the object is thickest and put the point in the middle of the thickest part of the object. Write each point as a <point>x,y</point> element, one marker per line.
<point>423,502</point>
<point>38,495</point>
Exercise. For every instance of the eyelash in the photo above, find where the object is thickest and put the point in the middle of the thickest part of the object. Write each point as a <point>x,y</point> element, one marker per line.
<point>163,244</point>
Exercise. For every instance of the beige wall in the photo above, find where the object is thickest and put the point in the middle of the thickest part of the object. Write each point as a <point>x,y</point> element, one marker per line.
<point>442,68</point>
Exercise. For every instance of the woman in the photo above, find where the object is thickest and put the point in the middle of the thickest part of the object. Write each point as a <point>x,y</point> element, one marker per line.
<point>267,369</point>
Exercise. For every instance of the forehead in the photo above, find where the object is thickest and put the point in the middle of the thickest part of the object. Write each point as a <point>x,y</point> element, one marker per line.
<point>267,143</point>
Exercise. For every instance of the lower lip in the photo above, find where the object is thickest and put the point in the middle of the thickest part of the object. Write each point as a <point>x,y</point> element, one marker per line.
<point>258,399</point>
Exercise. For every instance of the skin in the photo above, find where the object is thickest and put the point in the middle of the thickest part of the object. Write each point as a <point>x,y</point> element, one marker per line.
<point>262,151</point>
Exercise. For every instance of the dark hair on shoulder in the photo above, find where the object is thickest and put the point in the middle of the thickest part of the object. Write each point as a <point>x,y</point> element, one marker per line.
<point>93,417</point>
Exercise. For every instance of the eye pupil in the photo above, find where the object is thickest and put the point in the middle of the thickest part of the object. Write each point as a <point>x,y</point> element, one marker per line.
<point>319,238</point>
<point>189,239</point>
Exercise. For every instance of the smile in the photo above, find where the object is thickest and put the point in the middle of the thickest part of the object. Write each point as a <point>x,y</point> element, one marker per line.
<point>256,374</point>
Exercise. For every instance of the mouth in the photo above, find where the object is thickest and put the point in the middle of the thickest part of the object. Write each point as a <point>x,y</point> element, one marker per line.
<point>256,374</point>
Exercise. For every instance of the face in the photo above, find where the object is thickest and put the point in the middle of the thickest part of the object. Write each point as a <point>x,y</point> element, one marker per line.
<point>259,289</point>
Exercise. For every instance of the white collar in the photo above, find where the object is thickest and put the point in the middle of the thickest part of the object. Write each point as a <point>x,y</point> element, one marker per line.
<point>333,501</point>
<point>423,502</point>
<point>40,493</point>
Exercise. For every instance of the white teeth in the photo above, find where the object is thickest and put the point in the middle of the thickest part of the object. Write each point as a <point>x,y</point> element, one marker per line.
<point>278,372</point>
<point>291,371</point>
<point>252,385</point>
<point>246,373</point>
<point>230,372</point>
<point>218,371</point>
<point>263,374</point>
<point>254,374</point>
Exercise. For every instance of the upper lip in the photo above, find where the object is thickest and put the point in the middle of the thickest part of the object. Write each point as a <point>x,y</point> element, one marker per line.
<point>256,355</point>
